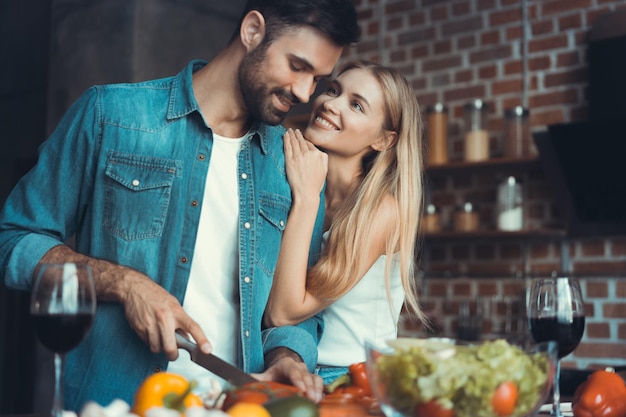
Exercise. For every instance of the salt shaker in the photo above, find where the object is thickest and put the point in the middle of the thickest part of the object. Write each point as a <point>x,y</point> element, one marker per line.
<point>509,208</point>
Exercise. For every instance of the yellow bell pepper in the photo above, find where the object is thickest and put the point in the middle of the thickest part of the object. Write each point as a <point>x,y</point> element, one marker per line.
<point>165,389</point>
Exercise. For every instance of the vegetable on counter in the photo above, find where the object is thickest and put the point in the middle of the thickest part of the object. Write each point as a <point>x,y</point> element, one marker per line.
<point>491,379</point>
<point>167,390</point>
<point>350,394</point>
<point>258,392</point>
<point>278,400</point>
<point>432,408</point>
<point>294,406</point>
<point>355,382</point>
<point>603,394</point>
<point>358,375</point>
<point>248,410</point>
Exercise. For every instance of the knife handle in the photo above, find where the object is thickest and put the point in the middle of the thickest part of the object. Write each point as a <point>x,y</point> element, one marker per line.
<point>183,342</point>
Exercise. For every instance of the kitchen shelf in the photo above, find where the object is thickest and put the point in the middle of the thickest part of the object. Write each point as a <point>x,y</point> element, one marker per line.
<point>538,234</point>
<point>492,164</point>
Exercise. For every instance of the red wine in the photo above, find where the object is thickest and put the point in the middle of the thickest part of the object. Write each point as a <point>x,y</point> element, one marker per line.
<point>61,332</point>
<point>565,332</point>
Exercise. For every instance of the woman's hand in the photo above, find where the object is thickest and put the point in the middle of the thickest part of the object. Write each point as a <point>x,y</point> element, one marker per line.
<point>305,164</point>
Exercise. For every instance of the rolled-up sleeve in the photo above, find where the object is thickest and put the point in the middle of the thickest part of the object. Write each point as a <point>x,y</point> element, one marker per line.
<point>302,339</point>
<point>45,207</point>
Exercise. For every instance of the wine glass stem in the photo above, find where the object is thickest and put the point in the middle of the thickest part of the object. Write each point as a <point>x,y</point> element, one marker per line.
<point>57,402</point>
<point>556,390</point>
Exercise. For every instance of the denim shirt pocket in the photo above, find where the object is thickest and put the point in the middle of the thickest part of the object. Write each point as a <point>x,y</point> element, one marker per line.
<point>273,212</point>
<point>137,195</point>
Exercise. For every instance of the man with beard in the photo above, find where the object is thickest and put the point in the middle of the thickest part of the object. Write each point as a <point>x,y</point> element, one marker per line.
<point>175,191</point>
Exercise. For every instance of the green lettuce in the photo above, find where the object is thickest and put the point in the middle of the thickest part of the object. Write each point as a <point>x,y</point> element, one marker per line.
<point>462,377</point>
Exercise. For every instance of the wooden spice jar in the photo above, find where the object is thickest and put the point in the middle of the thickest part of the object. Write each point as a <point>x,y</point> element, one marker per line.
<point>466,219</point>
<point>518,142</point>
<point>432,220</point>
<point>476,146</point>
<point>437,129</point>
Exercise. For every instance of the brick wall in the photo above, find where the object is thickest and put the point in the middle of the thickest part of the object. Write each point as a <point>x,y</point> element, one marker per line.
<point>454,51</point>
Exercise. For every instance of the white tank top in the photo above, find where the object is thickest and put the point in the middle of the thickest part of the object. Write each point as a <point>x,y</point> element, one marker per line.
<point>212,295</point>
<point>364,313</point>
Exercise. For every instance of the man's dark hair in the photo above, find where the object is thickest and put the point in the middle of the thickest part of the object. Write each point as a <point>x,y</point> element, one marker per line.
<point>335,18</point>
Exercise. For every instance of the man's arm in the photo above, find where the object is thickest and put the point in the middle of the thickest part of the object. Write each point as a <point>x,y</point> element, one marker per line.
<point>48,206</point>
<point>150,310</point>
<point>291,355</point>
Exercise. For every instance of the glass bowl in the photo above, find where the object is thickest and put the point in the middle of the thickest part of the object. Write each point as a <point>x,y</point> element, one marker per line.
<point>435,377</point>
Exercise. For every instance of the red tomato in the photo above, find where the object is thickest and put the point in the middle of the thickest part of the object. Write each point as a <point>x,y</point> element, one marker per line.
<point>432,409</point>
<point>504,399</point>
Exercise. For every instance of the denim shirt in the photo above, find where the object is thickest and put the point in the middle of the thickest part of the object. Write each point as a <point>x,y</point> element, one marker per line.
<point>125,172</point>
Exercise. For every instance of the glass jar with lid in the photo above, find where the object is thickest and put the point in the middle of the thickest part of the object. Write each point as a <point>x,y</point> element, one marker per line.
<point>437,129</point>
<point>510,205</point>
<point>518,142</point>
<point>432,219</point>
<point>466,218</point>
<point>476,134</point>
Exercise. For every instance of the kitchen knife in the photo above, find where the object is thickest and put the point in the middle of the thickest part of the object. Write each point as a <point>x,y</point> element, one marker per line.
<point>214,364</point>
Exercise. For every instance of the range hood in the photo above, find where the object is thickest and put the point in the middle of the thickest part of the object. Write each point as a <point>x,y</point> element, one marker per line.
<point>585,162</point>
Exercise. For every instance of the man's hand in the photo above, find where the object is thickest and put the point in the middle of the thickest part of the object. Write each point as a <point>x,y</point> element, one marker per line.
<point>155,315</point>
<point>284,365</point>
<point>150,310</point>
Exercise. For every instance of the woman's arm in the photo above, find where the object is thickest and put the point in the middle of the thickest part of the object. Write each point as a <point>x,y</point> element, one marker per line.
<point>289,301</point>
<point>306,172</point>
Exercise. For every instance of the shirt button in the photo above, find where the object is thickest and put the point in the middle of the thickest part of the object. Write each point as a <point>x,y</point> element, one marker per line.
<point>135,183</point>
<point>157,369</point>
<point>194,203</point>
<point>282,223</point>
<point>183,259</point>
<point>247,333</point>
<point>201,157</point>
<point>246,225</point>
<point>244,176</point>
<point>246,280</point>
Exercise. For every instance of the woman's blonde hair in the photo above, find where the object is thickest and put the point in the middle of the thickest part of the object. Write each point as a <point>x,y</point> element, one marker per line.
<point>395,171</point>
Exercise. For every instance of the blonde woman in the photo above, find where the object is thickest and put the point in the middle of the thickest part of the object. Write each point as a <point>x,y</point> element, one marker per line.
<point>364,140</point>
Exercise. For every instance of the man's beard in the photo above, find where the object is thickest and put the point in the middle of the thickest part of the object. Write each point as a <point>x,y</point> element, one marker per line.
<point>256,95</point>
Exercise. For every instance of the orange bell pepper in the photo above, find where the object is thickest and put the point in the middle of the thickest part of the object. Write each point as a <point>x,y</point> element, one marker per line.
<point>603,394</point>
<point>165,389</point>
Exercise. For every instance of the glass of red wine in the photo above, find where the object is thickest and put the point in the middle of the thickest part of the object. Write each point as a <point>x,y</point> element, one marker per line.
<point>556,312</point>
<point>62,307</point>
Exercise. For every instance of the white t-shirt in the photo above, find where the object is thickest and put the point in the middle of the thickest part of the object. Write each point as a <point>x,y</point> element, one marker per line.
<point>362,314</point>
<point>212,295</point>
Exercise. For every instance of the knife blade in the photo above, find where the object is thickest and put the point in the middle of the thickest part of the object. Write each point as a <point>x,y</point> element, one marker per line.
<point>213,363</point>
